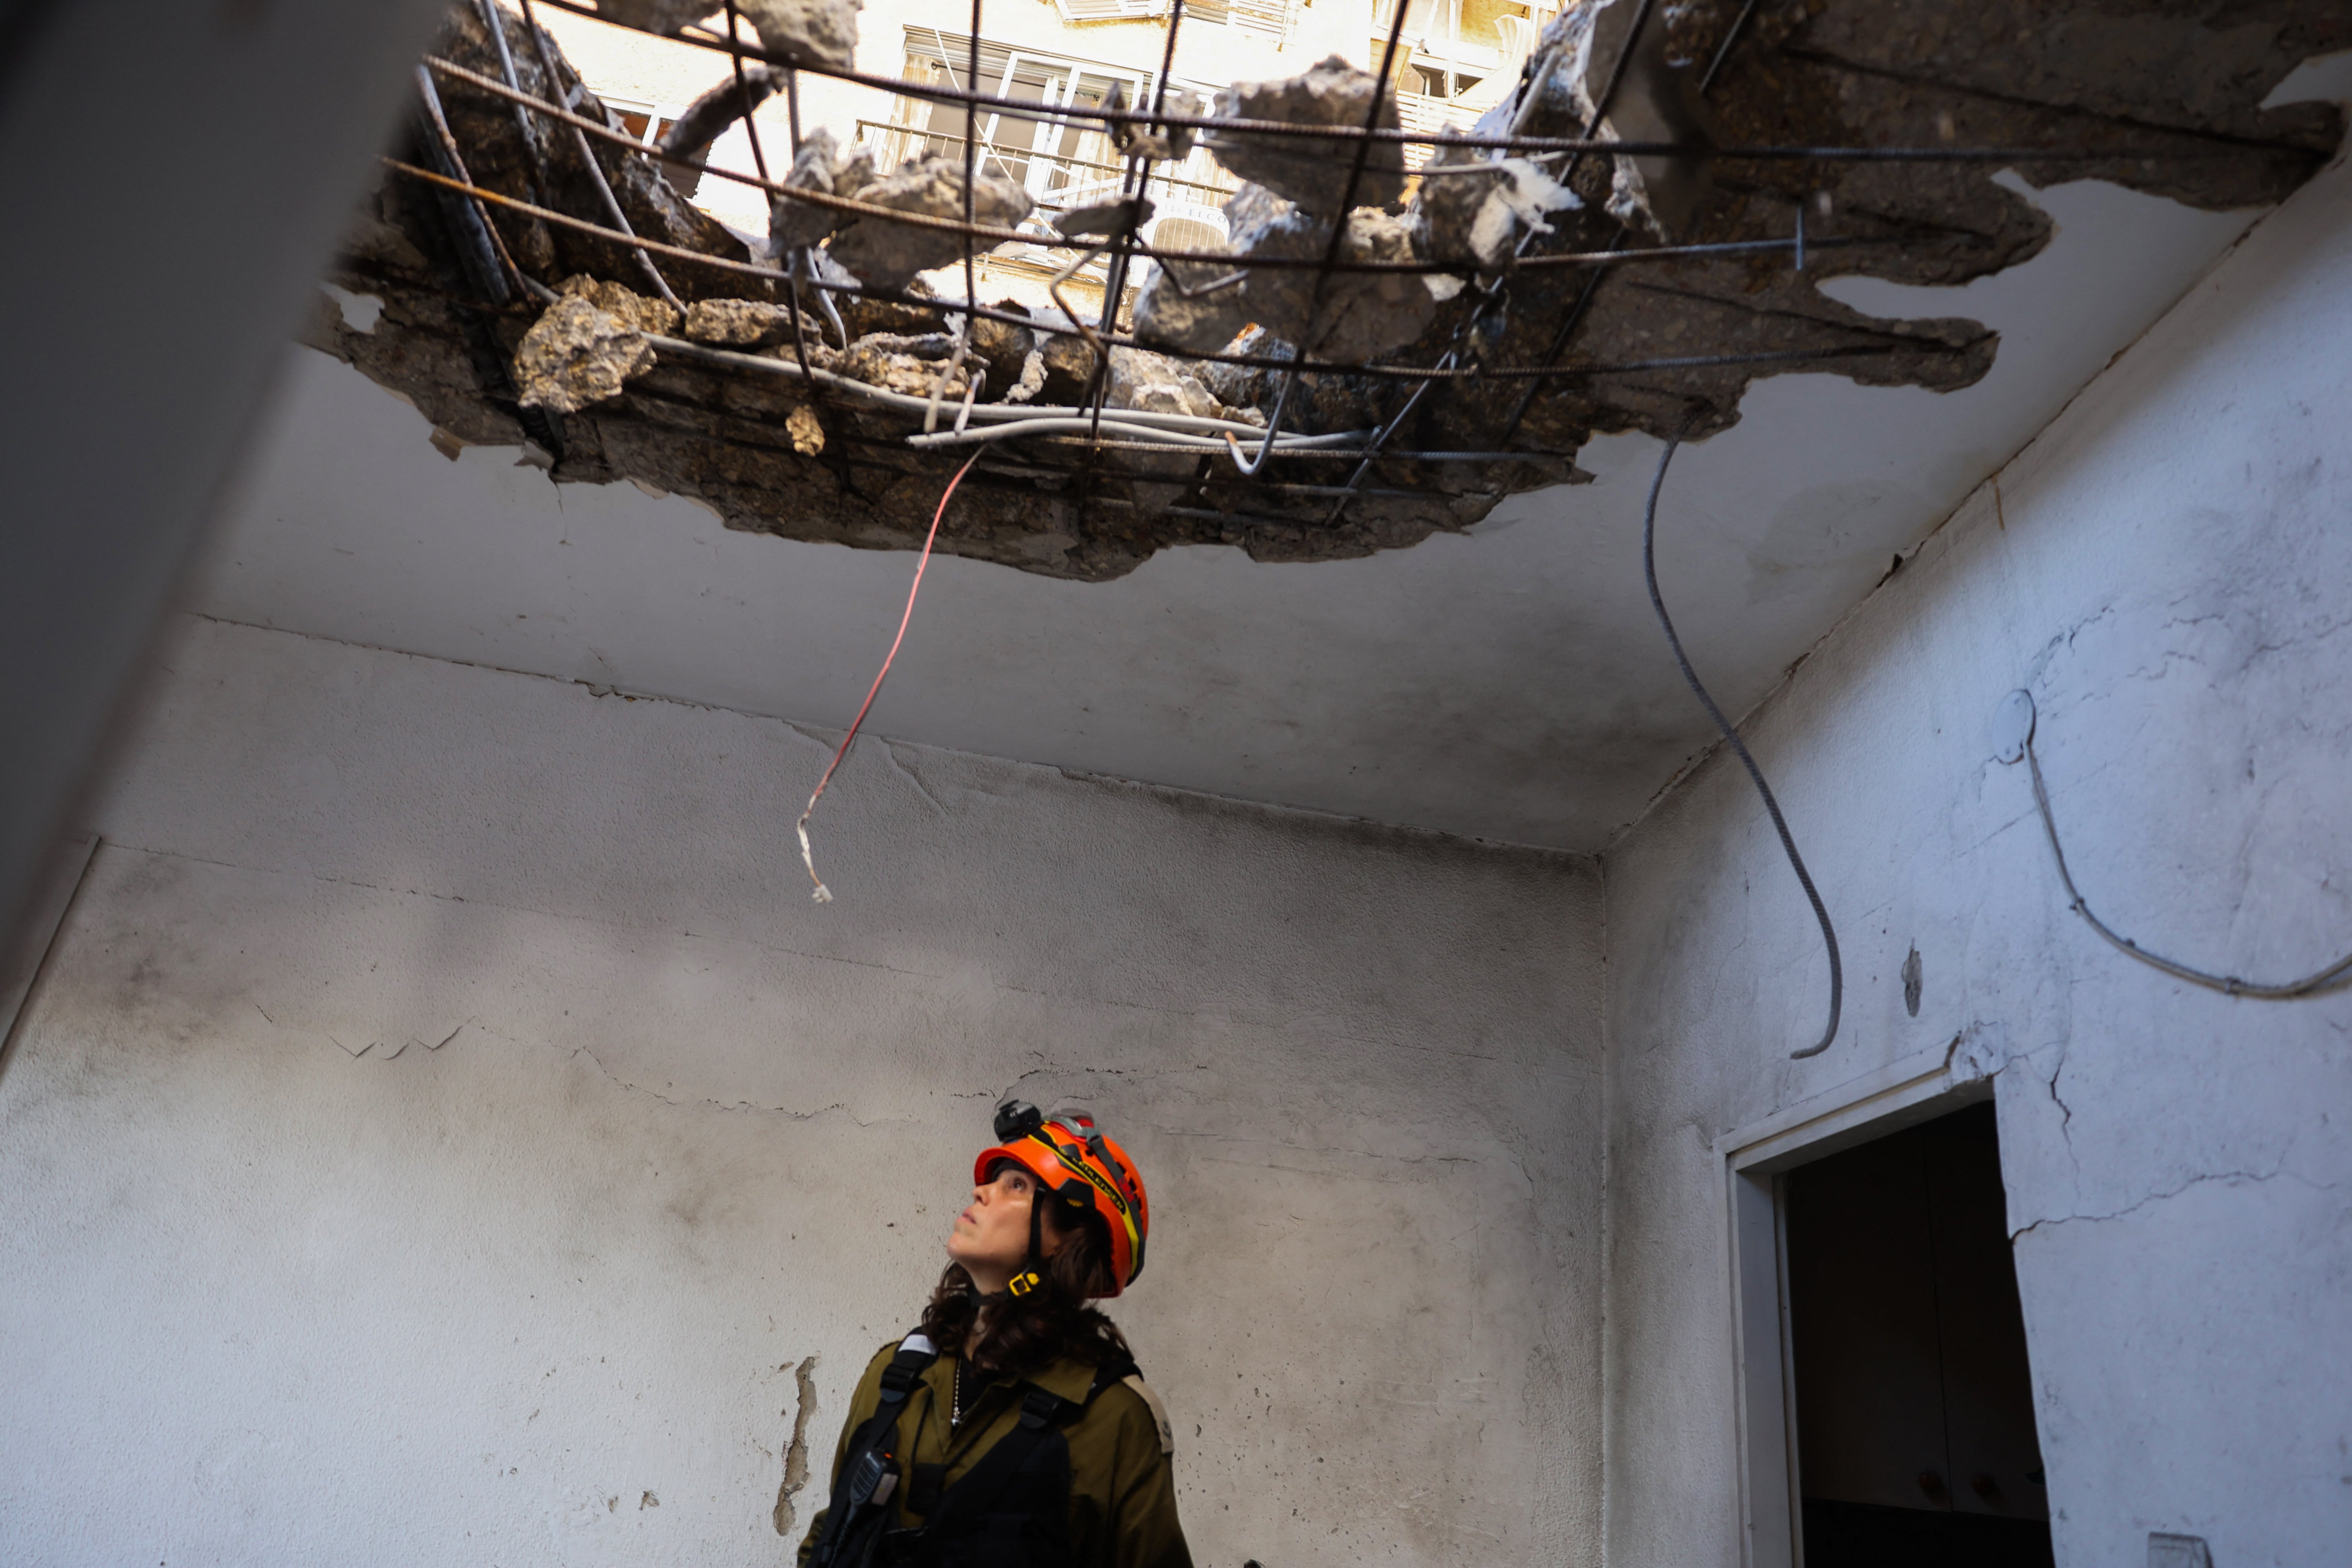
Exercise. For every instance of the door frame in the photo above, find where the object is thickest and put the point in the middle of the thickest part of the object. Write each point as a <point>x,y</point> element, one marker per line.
<point>1756,1160</point>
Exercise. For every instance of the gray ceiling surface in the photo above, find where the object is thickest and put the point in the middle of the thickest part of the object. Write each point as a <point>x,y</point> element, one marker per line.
<point>1506,682</point>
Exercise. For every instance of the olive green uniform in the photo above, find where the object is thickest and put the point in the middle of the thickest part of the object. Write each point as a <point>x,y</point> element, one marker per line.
<point>1122,1492</point>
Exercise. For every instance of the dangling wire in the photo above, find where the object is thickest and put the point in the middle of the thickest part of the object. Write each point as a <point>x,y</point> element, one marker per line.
<point>1772,806</point>
<point>823,895</point>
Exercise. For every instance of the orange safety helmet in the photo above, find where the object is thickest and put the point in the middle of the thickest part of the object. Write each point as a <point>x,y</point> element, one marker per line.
<point>1072,1160</point>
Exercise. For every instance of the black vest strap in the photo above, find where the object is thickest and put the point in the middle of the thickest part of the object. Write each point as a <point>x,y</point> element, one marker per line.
<point>869,1457</point>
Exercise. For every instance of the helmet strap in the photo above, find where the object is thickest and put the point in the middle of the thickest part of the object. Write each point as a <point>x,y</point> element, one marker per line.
<point>1029,1278</point>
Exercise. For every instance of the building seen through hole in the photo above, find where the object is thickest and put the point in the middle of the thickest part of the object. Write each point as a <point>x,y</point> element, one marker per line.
<point>1916,1440</point>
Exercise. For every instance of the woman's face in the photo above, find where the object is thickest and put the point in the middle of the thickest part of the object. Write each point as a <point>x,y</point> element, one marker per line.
<point>990,1239</point>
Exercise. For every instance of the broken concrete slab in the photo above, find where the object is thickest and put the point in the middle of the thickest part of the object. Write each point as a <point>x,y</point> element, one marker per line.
<point>804,32</point>
<point>576,354</point>
<point>1150,382</point>
<point>887,255</point>
<point>1312,170</point>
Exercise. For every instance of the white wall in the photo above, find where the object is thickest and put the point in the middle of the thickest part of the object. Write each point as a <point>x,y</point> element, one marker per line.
<point>448,1125</point>
<point>2169,569</point>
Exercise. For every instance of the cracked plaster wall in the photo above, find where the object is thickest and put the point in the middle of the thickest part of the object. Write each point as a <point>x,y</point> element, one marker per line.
<point>448,1133</point>
<point>2169,569</point>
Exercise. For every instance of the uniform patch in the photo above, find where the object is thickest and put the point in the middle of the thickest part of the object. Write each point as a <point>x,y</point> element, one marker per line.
<point>1158,1411</point>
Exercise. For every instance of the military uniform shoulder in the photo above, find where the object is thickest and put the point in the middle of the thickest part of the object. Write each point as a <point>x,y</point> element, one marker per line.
<point>1132,1403</point>
<point>881,1360</point>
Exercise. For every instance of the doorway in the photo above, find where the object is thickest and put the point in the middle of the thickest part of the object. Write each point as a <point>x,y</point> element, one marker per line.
<point>1912,1398</point>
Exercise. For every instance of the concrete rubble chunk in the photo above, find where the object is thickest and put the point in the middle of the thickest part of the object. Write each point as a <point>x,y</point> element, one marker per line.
<point>864,315</point>
<point>1312,170</point>
<point>804,32</point>
<point>1134,139</point>
<point>1066,361</point>
<point>667,17</point>
<point>708,116</point>
<point>1155,383</point>
<point>1186,305</point>
<point>885,362</point>
<point>1003,346</point>
<point>576,354</point>
<point>1030,382</point>
<point>1578,53</point>
<point>1240,385</point>
<point>886,255</point>
<point>632,310</point>
<point>922,345</point>
<point>1358,315</point>
<point>821,166</point>
<point>746,323</point>
<point>807,433</point>
<point>1477,221</point>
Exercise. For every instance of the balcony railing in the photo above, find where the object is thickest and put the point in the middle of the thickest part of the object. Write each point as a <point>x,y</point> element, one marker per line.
<point>1187,201</point>
<point>1056,182</point>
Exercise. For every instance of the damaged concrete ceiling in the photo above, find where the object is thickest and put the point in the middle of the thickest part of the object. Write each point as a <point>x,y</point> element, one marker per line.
<point>1499,679</point>
<point>2148,97</point>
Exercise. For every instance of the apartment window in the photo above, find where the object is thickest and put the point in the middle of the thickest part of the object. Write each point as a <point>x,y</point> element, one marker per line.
<point>650,123</point>
<point>1062,166</point>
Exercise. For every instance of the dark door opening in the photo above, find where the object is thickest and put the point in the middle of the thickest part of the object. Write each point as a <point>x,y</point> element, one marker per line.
<point>1915,1404</point>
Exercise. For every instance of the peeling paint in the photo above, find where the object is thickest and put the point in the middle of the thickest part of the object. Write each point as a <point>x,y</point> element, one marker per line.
<point>796,1462</point>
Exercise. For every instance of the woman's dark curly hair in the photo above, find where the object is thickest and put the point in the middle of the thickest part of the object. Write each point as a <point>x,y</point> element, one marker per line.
<point>1025,1334</point>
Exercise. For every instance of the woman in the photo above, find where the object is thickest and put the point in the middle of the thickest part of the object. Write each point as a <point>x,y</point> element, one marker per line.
<point>1012,1430</point>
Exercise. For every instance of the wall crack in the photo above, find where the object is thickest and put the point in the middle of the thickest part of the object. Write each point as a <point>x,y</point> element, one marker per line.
<point>2257,1177</point>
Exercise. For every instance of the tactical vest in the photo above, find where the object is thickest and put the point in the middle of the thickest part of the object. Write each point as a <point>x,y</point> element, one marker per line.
<point>1011,1509</point>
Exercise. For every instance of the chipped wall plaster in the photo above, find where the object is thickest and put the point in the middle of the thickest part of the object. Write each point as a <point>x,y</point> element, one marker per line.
<point>2166,568</point>
<point>449,1127</point>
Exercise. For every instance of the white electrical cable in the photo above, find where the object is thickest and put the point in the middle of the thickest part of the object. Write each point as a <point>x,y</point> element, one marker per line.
<point>2333,976</point>
<point>1125,423</point>
<point>1186,429</point>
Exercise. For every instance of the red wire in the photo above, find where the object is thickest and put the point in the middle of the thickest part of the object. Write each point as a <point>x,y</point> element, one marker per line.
<point>824,894</point>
